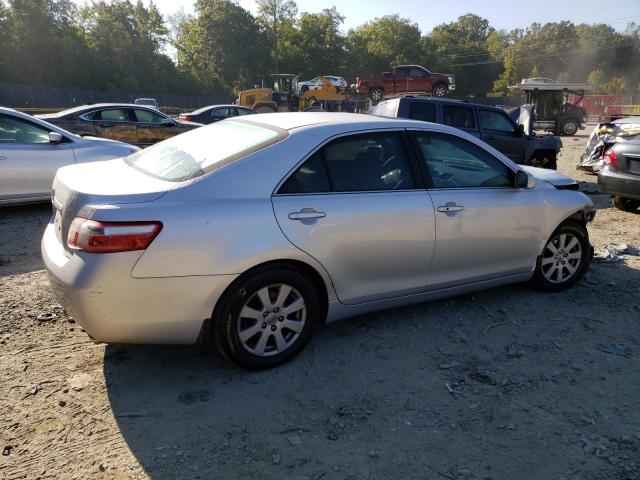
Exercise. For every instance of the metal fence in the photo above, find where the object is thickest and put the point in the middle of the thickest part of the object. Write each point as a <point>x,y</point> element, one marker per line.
<point>41,98</point>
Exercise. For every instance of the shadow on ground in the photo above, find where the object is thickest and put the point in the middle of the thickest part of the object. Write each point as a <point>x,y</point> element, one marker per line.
<point>21,229</point>
<point>493,382</point>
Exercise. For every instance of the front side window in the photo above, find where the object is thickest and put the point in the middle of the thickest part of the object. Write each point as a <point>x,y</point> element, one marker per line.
<point>243,111</point>
<point>111,115</point>
<point>147,116</point>
<point>356,163</point>
<point>454,162</point>
<point>222,113</point>
<point>195,153</point>
<point>423,111</point>
<point>16,130</point>
<point>459,117</point>
<point>417,72</point>
<point>497,121</point>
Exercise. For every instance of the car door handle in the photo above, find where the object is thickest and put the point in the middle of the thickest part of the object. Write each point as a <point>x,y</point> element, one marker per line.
<point>450,207</point>
<point>305,214</point>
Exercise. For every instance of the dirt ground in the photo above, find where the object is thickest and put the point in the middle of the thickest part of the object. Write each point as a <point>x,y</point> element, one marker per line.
<point>506,384</point>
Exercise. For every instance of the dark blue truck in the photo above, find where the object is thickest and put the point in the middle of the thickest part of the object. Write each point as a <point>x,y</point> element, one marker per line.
<point>510,133</point>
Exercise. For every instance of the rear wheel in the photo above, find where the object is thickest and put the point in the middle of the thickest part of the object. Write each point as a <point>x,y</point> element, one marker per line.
<point>625,204</point>
<point>568,127</point>
<point>440,90</point>
<point>265,319</point>
<point>565,258</point>
<point>376,94</point>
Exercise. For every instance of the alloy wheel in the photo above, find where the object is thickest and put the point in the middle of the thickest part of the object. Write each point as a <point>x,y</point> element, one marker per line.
<point>439,91</point>
<point>569,128</point>
<point>271,320</point>
<point>561,258</point>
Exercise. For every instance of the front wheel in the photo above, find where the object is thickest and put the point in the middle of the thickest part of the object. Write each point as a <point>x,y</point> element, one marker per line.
<point>265,319</point>
<point>376,94</point>
<point>565,258</point>
<point>568,127</point>
<point>440,90</point>
<point>625,204</point>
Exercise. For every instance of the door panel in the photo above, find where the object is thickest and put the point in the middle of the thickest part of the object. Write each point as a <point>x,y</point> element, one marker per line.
<point>152,127</point>
<point>499,131</point>
<point>418,80</point>
<point>496,233</point>
<point>374,245</point>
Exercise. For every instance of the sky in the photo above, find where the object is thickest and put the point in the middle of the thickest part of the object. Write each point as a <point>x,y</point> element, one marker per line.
<point>502,14</point>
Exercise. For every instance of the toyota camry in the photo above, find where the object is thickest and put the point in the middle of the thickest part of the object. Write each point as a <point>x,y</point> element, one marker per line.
<point>250,233</point>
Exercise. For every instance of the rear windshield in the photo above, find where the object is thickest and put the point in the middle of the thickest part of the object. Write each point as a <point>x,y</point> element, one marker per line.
<point>204,149</point>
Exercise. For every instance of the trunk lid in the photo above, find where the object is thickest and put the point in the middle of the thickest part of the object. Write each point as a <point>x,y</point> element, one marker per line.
<point>79,189</point>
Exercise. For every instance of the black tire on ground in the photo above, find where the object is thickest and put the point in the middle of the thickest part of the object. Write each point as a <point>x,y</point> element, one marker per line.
<point>440,90</point>
<point>376,94</point>
<point>547,262</point>
<point>226,320</point>
<point>625,204</point>
<point>568,127</point>
<point>545,160</point>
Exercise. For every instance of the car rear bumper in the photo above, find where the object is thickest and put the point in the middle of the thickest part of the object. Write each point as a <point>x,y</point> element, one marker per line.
<point>112,306</point>
<point>616,183</point>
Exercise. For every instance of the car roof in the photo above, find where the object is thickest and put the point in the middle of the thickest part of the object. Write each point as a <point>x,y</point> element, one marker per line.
<point>426,98</point>
<point>294,120</point>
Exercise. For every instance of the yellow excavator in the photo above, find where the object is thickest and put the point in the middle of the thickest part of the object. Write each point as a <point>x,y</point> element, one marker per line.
<point>284,97</point>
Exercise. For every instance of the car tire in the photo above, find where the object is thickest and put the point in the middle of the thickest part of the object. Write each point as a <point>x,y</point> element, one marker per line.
<point>376,94</point>
<point>560,269</point>
<point>625,204</point>
<point>256,336</point>
<point>568,127</point>
<point>439,90</point>
<point>545,160</point>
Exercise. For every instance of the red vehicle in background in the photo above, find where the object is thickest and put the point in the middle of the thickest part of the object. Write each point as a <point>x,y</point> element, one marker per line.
<point>407,79</point>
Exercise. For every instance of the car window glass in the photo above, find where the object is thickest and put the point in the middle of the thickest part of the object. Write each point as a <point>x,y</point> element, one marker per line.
<point>16,130</point>
<point>369,161</point>
<point>222,112</point>
<point>401,72</point>
<point>459,117</point>
<point>311,177</point>
<point>244,111</point>
<point>417,72</point>
<point>114,115</point>
<point>147,116</point>
<point>496,121</point>
<point>422,111</point>
<point>454,162</point>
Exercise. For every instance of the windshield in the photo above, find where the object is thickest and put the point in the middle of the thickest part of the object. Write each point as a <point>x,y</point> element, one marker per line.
<point>204,149</point>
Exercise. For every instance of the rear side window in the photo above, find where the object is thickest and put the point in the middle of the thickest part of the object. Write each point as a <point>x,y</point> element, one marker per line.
<point>356,163</point>
<point>423,111</point>
<point>387,108</point>
<point>459,117</point>
<point>199,151</point>
<point>146,116</point>
<point>454,162</point>
<point>114,115</point>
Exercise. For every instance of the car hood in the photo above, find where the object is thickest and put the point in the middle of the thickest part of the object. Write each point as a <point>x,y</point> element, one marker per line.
<point>553,177</point>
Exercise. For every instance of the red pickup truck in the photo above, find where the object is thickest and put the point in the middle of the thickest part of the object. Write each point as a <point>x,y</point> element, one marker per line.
<point>407,79</point>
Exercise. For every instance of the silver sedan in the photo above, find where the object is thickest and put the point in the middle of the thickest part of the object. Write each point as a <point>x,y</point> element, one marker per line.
<point>250,233</point>
<point>31,150</point>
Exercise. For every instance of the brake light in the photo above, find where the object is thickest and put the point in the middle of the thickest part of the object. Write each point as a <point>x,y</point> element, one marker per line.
<point>183,118</point>
<point>110,237</point>
<point>610,158</point>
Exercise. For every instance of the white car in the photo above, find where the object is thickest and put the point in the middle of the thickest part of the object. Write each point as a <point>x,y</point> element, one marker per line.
<point>32,150</point>
<point>317,83</point>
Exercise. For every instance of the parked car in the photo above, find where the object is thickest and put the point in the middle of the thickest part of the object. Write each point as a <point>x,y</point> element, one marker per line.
<point>147,102</point>
<point>31,151</point>
<point>317,83</point>
<point>620,175</point>
<point>407,79</point>
<point>214,113</point>
<point>491,124</point>
<point>250,233</point>
<point>129,123</point>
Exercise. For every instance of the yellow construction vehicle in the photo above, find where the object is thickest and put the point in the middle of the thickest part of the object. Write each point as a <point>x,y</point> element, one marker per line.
<point>283,97</point>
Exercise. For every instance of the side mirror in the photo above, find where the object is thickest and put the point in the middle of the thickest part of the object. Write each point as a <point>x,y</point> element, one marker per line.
<point>523,180</point>
<point>55,137</point>
<point>519,129</point>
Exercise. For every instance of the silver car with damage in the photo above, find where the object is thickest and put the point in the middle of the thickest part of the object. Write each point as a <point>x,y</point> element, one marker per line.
<point>249,233</point>
<point>31,150</point>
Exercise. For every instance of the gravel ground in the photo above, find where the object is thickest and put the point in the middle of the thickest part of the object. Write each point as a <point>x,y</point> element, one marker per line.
<point>508,384</point>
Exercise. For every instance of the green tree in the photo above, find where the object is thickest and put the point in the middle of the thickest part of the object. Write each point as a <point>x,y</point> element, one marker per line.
<point>221,47</point>
<point>597,78</point>
<point>320,44</point>
<point>277,18</point>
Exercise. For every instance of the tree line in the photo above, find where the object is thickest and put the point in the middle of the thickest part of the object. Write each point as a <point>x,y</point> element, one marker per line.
<point>222,48</point>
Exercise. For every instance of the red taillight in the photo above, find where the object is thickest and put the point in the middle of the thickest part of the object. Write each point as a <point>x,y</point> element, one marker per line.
<point>610,158</point>
<point>110,237</point>
<point>183,118</point>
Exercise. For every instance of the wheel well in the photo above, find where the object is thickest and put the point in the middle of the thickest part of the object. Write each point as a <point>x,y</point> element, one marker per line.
<point>544,151</point>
